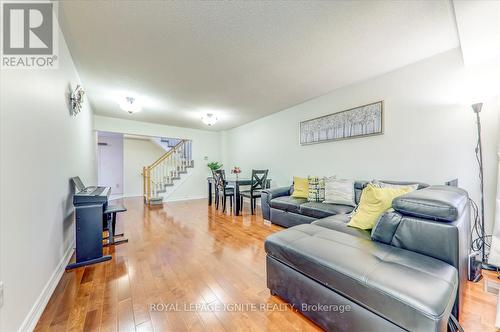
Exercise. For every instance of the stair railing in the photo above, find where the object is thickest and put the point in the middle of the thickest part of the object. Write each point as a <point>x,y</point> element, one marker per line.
<point>162,173</point>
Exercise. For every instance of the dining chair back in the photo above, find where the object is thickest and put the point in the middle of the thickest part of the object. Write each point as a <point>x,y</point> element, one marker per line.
<point>222,189</point>
<point>259,179</point>
<point>220,179</point>
<point>257,184</point>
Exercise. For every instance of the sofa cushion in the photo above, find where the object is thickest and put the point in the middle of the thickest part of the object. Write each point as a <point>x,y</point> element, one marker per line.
<point>361,184</point>
<point>289,219</point>
<point>288,203</point>
<point>339,223</point>
<point>339,191</point>
<point>316,189</point>
<point>412,290</point>
<point>322,210</point>
<point>382,184</point>
<point>374,202</point>
<point>300,187</point>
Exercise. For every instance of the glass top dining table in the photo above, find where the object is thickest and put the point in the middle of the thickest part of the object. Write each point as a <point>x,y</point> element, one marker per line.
<point>236,183</point>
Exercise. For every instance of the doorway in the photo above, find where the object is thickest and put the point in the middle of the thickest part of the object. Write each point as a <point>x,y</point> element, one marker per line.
<point>110,161</point>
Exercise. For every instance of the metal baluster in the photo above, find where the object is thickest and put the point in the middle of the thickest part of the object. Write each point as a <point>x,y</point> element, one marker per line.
<point>155,179</point>
<point>167,169</point>
<point>172,165</point>
<point>190,157</point>
<point>181,151</point>
<point>156,182</point>
<point>160,180</point>
<point>163,173</point>
<point>183,156</point>
<point>175,163</point>
<point>153,182</point>
<point>147,184</point>
<point>170,169</point>
<point>179,158</point>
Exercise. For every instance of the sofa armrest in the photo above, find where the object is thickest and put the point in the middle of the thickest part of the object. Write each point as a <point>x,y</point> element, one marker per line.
<point>440,203</point>
<point>432,221</point>
<point>277,192</point>
<point>435,222</point>
<point>268,195</point>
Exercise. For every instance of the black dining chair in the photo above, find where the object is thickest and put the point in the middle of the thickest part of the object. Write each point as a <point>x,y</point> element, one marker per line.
<point>222,189</point>
<point>258,183</point>
<point>216,189</point>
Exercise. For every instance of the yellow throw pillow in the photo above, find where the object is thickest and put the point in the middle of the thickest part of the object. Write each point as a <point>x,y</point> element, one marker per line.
<point>374,202</point>
<point>300,187</point>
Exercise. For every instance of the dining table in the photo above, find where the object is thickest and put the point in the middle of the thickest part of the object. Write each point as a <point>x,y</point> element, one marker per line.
<point>236,183</point>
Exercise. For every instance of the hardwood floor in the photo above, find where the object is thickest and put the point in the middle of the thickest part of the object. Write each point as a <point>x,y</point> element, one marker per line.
<point>187,253</point>
<point>182,253</point>
<point>479,309</point>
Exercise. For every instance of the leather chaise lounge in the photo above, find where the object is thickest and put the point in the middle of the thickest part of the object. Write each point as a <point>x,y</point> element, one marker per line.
<point>408,273</point>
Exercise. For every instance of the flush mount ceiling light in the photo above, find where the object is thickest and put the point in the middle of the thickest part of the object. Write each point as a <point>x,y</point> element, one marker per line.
<point>130,105</point>
<point>209,119</point>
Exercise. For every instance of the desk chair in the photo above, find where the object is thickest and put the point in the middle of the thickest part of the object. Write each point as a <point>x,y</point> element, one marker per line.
<point>110,219</point>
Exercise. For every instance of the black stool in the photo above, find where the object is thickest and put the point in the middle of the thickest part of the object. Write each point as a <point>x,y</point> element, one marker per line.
<point>110,217</point>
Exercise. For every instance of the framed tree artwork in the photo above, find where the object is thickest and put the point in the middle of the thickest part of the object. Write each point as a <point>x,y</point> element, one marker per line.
<point>361,121</point>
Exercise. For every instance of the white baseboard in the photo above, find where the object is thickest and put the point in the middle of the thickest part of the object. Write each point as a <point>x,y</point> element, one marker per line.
<point>166,200</point>
<point>184,199</point>
<point>36,311</point>
<point>131,195</point>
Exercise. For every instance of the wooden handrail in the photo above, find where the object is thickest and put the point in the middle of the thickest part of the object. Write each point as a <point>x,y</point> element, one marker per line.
<point>166,155</point>
<point>168,169</point>
<point>144,184</point>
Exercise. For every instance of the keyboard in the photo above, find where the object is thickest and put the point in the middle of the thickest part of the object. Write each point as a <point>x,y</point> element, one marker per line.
<point>94,190</point>
<point>91,195</point>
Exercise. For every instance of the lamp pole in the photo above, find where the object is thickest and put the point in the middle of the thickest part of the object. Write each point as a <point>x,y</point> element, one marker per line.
<point>479,152</point>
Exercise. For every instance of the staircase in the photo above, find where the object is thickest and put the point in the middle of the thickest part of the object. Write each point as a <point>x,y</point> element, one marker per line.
<point>166,171</point>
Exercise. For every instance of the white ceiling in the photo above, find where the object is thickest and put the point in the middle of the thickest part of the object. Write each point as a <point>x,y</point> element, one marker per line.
<point>243,60</point>
<point>478,25</point>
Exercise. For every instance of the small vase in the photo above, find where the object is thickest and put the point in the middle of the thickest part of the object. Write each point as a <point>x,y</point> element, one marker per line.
<point>236,176</point>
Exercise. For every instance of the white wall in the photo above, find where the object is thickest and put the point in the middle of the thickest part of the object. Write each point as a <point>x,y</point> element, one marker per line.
<point>205,144</point>
<point>494,255</point>
<point>137,153</point>
<point>110,161</point>
<point>430,131</point>
<point>41,147</point>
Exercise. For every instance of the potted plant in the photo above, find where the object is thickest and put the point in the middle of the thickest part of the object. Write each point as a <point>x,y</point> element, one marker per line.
<point>214,165</point>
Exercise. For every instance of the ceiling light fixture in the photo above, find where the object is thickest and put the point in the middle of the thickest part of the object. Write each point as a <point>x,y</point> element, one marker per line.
<point>209,119</point>
<point>130,105</point>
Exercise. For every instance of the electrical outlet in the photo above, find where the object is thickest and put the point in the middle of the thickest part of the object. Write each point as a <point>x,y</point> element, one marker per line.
<point>1,294</point>
<point>492,287</point>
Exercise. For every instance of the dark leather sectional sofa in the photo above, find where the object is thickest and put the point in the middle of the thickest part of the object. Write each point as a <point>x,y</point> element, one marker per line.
<point>408,273</point>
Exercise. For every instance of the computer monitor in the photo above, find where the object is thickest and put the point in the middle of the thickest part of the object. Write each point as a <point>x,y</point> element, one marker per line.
<point>78,183</point>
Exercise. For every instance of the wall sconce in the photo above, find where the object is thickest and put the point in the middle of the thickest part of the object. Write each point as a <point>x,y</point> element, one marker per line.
<point>76,100</point>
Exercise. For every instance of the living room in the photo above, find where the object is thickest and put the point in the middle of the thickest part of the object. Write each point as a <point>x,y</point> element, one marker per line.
<point>274,165</point>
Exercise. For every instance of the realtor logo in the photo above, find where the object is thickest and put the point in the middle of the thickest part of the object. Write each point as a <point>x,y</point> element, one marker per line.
<point>28,35</point>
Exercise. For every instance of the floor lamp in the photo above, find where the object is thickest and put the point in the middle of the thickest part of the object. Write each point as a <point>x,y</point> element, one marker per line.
<point>479,156</point>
